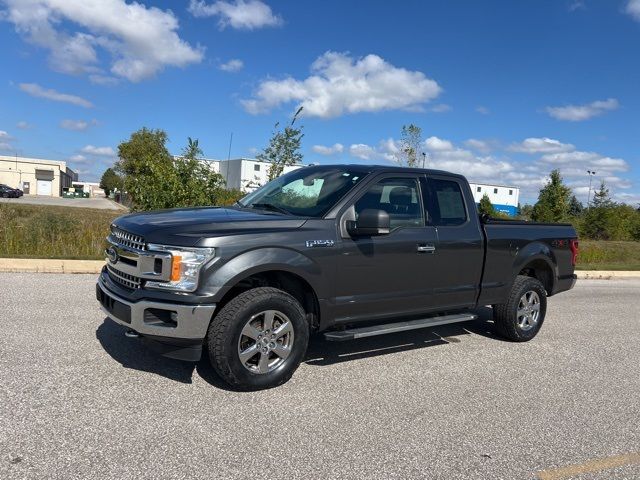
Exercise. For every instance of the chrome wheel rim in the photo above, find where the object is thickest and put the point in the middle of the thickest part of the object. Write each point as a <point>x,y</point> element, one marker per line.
<point>528,310</point>
<point>265,342</point>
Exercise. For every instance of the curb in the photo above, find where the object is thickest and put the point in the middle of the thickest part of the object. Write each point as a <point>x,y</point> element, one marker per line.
<point>37,265</point>
<point>606,274</point>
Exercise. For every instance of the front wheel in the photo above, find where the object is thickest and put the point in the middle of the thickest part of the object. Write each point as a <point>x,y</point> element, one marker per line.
<point>520,318</point>
<point>258,339</point>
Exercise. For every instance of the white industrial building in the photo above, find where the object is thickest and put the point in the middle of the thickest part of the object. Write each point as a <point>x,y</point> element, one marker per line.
<point>36,176</point>
<point>244,174</point>
<point>504,198</point>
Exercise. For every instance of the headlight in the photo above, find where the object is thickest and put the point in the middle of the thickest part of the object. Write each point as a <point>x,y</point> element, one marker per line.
<point>185,267</point>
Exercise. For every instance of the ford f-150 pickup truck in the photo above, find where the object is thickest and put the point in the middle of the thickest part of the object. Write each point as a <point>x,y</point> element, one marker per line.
<point>349,251</point>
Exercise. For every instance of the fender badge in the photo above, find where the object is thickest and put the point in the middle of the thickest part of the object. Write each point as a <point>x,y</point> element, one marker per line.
<point>320,243</point>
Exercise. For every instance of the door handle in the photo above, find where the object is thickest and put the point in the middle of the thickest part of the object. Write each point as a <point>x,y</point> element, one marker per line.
<point>426,248</point>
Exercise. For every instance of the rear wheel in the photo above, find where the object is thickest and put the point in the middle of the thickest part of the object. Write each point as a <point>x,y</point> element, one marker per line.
<point>521,317</point>
<point>258,339</point>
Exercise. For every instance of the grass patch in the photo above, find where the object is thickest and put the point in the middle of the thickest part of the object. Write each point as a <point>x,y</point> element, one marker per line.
<point>608,255</point>
<point>44,231</point>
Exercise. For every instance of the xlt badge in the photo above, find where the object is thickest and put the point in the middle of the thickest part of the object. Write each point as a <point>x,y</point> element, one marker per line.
<point>320,243</point>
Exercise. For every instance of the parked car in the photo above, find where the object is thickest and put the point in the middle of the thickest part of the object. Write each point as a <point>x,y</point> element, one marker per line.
<point>347,251</point>
<point>8,192</point>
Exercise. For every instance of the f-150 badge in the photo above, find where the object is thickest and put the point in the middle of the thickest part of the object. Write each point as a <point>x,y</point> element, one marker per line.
<point>320,243</point>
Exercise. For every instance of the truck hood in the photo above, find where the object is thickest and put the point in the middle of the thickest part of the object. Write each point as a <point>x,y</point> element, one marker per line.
<point>186,226</point>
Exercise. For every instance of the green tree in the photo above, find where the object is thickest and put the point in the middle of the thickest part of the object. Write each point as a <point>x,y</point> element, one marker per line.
<point>409,148</point>
<point>485,206</point>
<point>284,147</point>
<point>599,216</point>
<point>110,181</point>
<point>575,207</point>
<point>553,201</point>
<point>525,212</point>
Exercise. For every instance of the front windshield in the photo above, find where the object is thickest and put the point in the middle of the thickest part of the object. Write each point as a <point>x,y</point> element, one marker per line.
<point>307,191</point>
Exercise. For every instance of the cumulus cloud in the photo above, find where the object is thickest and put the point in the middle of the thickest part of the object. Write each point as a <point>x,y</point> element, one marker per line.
<point>633,9</point>
<point>331,150</point>
<point>77,125</point>
<point>233,65</point>
<point>4,135</point>
<point>540,145</point>
<point>585,160</point>
<point>98,151</point>
<point>36,90</point>
<point>140,41</point>
<point>441,108</point>
<point>580,113</point>
<point>483,146</point>
<point>385,151</point>
<point>238,14</point>
<point>79,159</point>
<point>342,84</point>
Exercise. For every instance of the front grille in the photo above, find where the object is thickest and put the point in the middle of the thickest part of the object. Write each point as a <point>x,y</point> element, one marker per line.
<point>128,239</point>
<point>125,279</point>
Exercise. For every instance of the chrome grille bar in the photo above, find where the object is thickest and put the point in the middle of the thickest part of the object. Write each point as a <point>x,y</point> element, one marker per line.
<point>128,239</point>
<point>125,279</point>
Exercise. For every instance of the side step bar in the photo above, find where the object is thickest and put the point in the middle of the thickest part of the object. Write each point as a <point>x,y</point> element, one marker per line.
<point>362,332</point>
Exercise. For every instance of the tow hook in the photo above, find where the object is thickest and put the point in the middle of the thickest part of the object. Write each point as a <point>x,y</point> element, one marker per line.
<point>131,334</point>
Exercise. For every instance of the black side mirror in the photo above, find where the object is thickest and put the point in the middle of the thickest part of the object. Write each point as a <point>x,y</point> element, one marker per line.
<point>370,222</point>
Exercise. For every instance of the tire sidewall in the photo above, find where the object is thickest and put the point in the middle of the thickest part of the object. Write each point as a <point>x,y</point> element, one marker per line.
<point>535,286</point>
<point>288,306</point>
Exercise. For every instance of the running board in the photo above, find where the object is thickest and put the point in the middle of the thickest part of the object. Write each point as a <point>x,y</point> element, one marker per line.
<point>362,332</point>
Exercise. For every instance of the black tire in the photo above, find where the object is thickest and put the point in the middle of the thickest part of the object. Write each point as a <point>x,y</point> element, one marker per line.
<point>4,195</point>
<point>225,330</point>
<point>505,315</point>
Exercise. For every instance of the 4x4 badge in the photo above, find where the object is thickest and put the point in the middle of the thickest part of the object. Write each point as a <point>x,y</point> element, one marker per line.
<point>320,243</point>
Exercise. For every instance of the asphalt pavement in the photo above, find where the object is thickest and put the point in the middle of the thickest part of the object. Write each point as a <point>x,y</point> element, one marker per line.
<point>78,400</point>
<point>100,203</point>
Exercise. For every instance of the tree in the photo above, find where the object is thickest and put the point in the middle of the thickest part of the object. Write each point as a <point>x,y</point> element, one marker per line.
<point>599,217</point>
<point>486,206</point>
<point>525,212</point>
<point>575,207</point>
<point>284,147</point>
<point>110,181</point>
<point>154,179</point>
<point>553,201</point>
<point>410,140</point>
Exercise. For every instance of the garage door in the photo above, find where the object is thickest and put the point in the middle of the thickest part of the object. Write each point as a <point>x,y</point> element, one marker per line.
<point>44,187</point>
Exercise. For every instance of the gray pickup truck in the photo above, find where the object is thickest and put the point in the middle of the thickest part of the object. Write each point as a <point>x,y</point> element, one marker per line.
<point>349,251</point>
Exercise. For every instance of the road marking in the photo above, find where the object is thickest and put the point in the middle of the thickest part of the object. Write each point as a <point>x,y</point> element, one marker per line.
<point>590,466</point>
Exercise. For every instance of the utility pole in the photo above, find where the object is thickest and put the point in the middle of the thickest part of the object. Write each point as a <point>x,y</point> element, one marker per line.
<point>591,173</point>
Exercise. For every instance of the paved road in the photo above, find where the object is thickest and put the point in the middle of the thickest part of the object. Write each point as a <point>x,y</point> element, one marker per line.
<point>78,400</point>
<point>94,202</point>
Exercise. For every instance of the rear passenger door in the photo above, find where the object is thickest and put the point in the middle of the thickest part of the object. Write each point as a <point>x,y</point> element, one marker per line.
<point>459,254</point>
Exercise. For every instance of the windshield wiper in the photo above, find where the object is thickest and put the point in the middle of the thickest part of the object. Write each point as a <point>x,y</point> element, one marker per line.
<point>272,207</point>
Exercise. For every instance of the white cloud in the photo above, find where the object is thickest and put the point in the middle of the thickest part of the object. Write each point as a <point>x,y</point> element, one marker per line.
<point>483,146</point>
<point>77,125</point>
<point>98,151</point>
<point>483,110</point>
<point>23,125</point>
<point>141,41</point>
<point>233,65</point>
<point>104,80</point>
<point>340,84</point>
<point>576,5</point>
<point>80,159</point>
<point>541,145</point>
<point>4,135</point>
<point>238,14</point>
<point>579,113</point>
<point>633,9</point>
<point>441,108</point>
<point>332,150</point>
<point>585,160</point>
<point>36,90</point>
<point>386,151</point>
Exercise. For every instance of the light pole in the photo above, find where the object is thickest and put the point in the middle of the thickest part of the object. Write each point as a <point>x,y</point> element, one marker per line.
<point>424,158</point>
<point>591,173</point>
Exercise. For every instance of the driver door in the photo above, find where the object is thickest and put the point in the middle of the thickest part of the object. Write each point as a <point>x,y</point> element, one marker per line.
<point>386,275</point>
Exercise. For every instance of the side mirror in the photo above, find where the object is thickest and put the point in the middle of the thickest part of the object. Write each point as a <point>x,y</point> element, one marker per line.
<point>370,222</point>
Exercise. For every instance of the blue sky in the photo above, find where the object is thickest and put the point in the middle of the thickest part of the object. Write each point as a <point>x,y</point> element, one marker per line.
<point>504,91</point>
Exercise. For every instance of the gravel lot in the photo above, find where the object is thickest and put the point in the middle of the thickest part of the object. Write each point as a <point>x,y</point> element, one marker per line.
<point>79,400</point>
<point>94,202</point>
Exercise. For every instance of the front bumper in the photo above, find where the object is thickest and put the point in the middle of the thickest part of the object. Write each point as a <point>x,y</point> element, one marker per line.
<point>177,330</point>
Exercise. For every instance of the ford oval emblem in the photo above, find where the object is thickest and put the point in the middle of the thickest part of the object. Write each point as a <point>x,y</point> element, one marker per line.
<point>112,254</point>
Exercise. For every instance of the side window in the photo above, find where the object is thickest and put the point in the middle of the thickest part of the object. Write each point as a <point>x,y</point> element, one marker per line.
<point>398,197</point>
<point>448,203</point>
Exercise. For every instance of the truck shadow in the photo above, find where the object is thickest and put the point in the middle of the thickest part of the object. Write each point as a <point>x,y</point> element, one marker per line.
<point>322,352</point>
<point>133,354</point>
